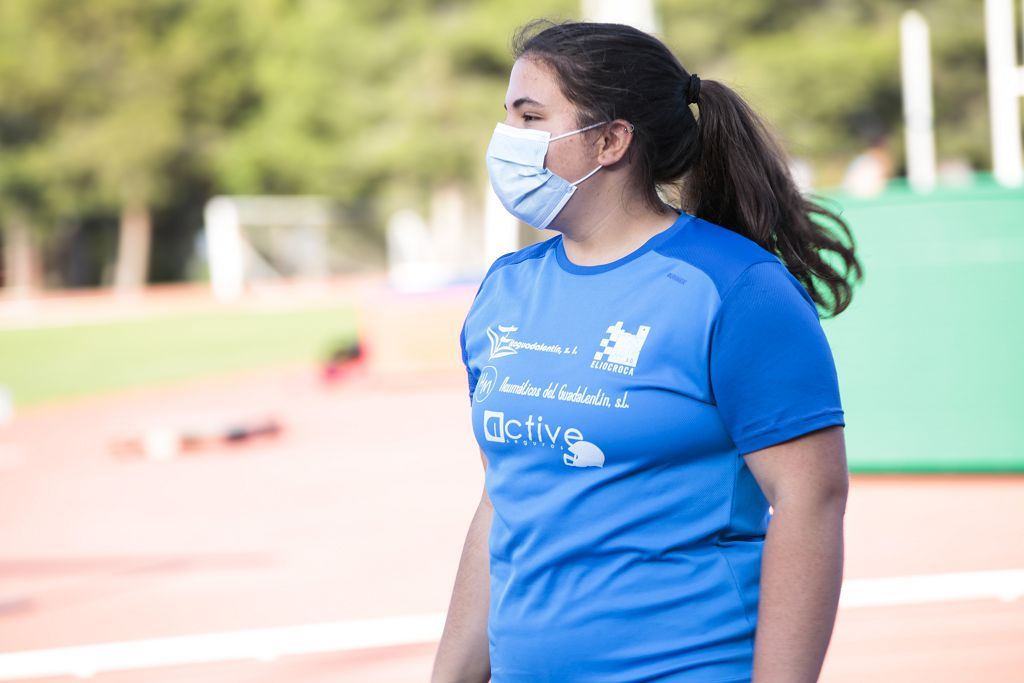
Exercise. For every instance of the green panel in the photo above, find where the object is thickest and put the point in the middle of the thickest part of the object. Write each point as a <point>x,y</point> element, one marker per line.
<point>930,354</point>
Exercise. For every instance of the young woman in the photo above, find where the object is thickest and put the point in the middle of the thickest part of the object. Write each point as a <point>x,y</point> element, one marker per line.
<point>646,383</point>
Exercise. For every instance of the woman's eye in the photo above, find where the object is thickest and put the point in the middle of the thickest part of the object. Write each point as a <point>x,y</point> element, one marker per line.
<point>530,117</point>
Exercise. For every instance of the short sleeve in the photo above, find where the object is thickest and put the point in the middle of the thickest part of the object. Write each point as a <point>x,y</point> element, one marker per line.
<point>772,373</point>
<point>471,376</point>
<point>465,361</point>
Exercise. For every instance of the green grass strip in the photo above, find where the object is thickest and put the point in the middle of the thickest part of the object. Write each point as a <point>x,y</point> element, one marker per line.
<point>1005,466</point>
<point>43,365</point>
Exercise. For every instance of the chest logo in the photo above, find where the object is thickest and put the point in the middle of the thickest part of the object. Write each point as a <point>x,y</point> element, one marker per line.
<point>584,454</point>
<point>620,350</point>
<point>485,385</point>
<point>501,344</point>
<point>533,431</point>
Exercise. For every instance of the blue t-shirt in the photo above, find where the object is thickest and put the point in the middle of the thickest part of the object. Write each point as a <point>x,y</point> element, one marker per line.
<point>613,403</point>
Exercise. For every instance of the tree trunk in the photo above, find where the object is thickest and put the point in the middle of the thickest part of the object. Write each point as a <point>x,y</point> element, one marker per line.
<point>23,272</point>
<point>133,246</point>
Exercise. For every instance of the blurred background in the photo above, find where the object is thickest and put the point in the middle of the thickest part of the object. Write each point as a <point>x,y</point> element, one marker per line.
<point>238,243</point>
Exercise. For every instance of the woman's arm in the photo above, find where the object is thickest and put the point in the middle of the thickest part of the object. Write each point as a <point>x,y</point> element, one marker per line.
<point>806,481</point>
<point>463,655</point>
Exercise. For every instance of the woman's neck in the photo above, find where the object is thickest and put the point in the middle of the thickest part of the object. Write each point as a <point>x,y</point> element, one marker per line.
<point>602,234</point>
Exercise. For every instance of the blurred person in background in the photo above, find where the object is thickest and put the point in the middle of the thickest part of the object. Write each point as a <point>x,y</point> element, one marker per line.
<point>869,172</point>
<point>646,383</point>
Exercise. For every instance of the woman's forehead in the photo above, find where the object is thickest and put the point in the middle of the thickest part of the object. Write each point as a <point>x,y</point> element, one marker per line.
<point>534,83</point>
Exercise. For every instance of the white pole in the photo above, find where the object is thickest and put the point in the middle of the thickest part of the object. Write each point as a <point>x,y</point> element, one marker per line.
<point>637,13</point>
<point>916,72</point>
<point>224,248</point>
<point>1005,87</point>
<point>501,229</point>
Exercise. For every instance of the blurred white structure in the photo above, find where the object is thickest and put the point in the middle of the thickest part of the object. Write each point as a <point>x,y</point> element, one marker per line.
<point>6,406</point>
<point>956,172</point>
<point>916,73</point>
<point>441,249</point>
<point>224,248</point>
<point>868,173</point>
<point>1005,88</point>
<point>501,229</point>
<point>251,238</point>
<point>448,235</point>
<point>412,262</point>
<point>638,13</point>
<point>803,174</point>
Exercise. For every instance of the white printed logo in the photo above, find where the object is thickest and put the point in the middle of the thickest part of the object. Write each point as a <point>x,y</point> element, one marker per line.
<point>504,345</point>
<point>620,350</point>
<point>485,384</point>
<point>501,345</point>
<point>584,454</point>
<point>534,431</point>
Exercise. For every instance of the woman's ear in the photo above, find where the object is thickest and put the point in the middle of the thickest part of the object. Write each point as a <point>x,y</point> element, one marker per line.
<point>614,142</point>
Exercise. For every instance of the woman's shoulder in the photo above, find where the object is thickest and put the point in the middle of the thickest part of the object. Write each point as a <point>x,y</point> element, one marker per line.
<point>527,253</point>
<point>723,255</point>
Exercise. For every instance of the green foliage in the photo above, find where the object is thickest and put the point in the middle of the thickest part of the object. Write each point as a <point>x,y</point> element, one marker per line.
<point>826,74</point>
<point>114,102</point>
<point>359,96</point>
<point>103,103</point>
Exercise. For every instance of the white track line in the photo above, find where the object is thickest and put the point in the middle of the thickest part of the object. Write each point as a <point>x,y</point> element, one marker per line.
<point>1003,585</point>
<point>264,644</point>
<point>267,644</point>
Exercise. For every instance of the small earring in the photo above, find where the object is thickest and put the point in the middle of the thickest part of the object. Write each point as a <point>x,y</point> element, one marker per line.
<point>630,129</point>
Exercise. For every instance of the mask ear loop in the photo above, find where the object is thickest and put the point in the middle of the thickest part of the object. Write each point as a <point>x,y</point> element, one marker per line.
<point>580,130</point>
<point>599,167</point>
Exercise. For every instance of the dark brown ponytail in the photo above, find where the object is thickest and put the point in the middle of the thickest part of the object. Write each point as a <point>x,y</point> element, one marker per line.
<point>727,165</point>
<point>741,181</point>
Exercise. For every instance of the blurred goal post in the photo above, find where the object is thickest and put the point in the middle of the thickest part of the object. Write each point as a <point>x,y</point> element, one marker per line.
<point>250,239</point>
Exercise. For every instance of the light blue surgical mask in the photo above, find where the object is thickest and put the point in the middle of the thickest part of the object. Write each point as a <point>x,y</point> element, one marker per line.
<point>528,190</point>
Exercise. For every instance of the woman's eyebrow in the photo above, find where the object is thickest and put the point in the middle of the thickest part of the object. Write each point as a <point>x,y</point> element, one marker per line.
<point>524,100</point>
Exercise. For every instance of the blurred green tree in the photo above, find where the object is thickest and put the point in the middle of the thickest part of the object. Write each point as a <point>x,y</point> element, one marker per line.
<point>826,73</point>
<point>31,92</point>
<point>119,101</point>
<point>137,109</point>
<point>382,98</point>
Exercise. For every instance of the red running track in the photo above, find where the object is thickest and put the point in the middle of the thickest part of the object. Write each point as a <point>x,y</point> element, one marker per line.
<point>358,510</point>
